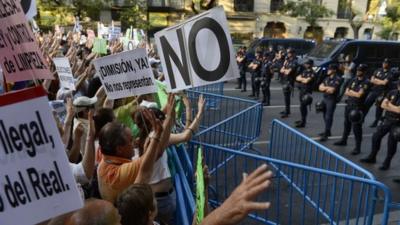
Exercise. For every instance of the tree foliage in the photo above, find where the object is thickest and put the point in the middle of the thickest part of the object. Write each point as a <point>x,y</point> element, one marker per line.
<point>309,10</point>
<point>134,14</point>
<point>391,21</point>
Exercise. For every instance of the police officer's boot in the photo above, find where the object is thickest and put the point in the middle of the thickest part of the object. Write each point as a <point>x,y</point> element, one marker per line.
<point>386,164</point>
<point>357,150</point>
<point>371,158</point>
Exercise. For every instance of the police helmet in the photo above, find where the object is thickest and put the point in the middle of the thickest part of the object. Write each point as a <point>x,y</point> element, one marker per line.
<point>307,99</point>
<point>309,62</point>
<point>356,116</point>
<point>320,106</point>
<point>362,67</point>
<point>291,50</point>
<point>396,133</point>
<point>333,66</point>
<point>386,60</point>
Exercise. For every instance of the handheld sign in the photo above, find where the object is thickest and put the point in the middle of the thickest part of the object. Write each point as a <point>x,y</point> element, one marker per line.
<point>29,7</point>
<point>64,73</point>
<point>200,187</point>
<point>100,46</point>
<point>198,51</point>
<point>20,58</point>
<point>36,179</point>
<point>126,74</point>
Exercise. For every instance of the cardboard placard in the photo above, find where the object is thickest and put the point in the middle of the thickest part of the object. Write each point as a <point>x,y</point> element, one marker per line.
<point>36,179</point>
<point>126,74</point>
<point>64,73</point>
<point>198,51</point>
<point>20,58</point>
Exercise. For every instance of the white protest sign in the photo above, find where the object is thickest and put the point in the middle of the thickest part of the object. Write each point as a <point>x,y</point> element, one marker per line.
<point>64,72</point>
<point>36,179</point>
<point>29,7</point>
<point>114,33</point>
<point>198,51</point>
<point>58,106</point>
<point>126,74</point>
<point>20,58</point>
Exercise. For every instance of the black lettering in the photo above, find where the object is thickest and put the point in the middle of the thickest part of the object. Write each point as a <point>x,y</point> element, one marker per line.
<point>35,182</point>
<point>12,200</point>
<point>222,68</point>
<point>47,184</point>
<point>15,138</point>
<point>24,185</point>
<point>27,139</point>
<point>37,137</point>
<point>55,184</point>
<point>169,54</point>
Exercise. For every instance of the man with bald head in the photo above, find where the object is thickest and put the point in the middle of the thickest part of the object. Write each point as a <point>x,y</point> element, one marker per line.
<point>95,212</point>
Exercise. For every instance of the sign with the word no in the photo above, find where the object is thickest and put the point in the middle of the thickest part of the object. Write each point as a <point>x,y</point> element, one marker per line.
<point>198,51</point>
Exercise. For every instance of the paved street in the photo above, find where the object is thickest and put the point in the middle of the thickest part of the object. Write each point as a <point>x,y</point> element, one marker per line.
<point>315,125</point>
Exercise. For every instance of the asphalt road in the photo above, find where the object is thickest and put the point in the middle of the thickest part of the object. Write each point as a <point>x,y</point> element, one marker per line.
<point>315,125</point>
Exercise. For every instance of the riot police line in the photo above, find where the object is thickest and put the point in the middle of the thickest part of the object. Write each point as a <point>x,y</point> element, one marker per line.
<point>343,80</point>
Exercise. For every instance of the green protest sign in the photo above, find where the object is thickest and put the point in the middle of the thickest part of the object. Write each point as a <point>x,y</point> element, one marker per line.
<point>162,99</point>
<point>200,187</point>
<point>100,46</point>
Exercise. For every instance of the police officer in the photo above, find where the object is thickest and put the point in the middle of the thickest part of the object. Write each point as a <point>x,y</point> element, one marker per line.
<point>330,87</point>
<point>241,60</point>
<point>255,67</point>
<point>266,76</point>
<point>305,85</point>
<point>353,114</point>
<point>380,81</point>
<point>391,104</point>
<point>288,72</point>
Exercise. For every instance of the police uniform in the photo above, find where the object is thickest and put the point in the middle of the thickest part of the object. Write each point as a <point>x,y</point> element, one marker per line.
<point>353,103</point>
<point>255,78</point>
<point>266,76</point>
<point>305,89</point>
<point>391,120</point>
<point>376,91</point>
<point>242,71</point>
<point>330,101</point>
<point>288,82</point>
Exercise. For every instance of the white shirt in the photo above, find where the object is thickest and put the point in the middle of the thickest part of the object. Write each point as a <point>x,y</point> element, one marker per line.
<point>79,173</point>
<point>160,168</point>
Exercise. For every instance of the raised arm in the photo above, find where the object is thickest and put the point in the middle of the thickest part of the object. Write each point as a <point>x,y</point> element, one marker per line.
<point>88,161</point>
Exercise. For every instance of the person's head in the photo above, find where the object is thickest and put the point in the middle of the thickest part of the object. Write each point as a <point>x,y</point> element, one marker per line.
<point>290,52</point>
<point>101,117</point>
<point>83,105</point>
<point>332,69</point>
<point>361,70</point>
<point>308,63</point>
<point>386,64</point>
<point>115,139</point>
<point>95,212</point>
<point>258,55</point>
<point>137,205</point>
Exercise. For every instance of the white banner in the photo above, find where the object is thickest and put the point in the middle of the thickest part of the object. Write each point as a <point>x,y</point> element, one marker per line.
<point>126,74</point>
<point>198,51</point>
<point>36,179</point>
<point>29,7</point>
<point>64,73</point>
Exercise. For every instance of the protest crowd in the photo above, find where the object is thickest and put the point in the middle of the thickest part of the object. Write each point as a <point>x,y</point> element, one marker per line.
<point>117,149</point>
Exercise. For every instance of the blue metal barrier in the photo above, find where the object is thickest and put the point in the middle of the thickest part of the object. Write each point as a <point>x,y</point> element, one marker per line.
<point>288,144</point>
<point>217,88</point>
<point>233,123</point>
<point>319,196</point>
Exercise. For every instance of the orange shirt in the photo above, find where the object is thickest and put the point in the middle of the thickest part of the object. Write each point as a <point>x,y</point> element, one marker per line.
<point>115,174</point>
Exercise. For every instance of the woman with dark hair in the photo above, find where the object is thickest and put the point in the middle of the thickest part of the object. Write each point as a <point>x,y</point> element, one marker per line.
<point>161,182</point>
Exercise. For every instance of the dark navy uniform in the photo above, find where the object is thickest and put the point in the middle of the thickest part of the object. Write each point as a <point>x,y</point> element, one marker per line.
<point>266,76</point>
<point>333,81</point>
<point>288,82</point>
<point>391,120</point>
<point>304,89</point>
<point>255,78</point>
<point>376,91</point>
<point>242,71</point>
<point>353,103</point>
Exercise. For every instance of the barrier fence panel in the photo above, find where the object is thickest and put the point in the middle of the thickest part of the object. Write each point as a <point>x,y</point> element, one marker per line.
<point>288,144</point>
<point>233,123</point>
<point>318,196</point>
<point>217,88</point>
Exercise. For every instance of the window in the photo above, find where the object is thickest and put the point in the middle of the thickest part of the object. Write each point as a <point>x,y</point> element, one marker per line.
<point>318,2</point>
<point>344,11</point>
<point>244,5</point>
<point>276,5</point>
<point>369,52</point>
